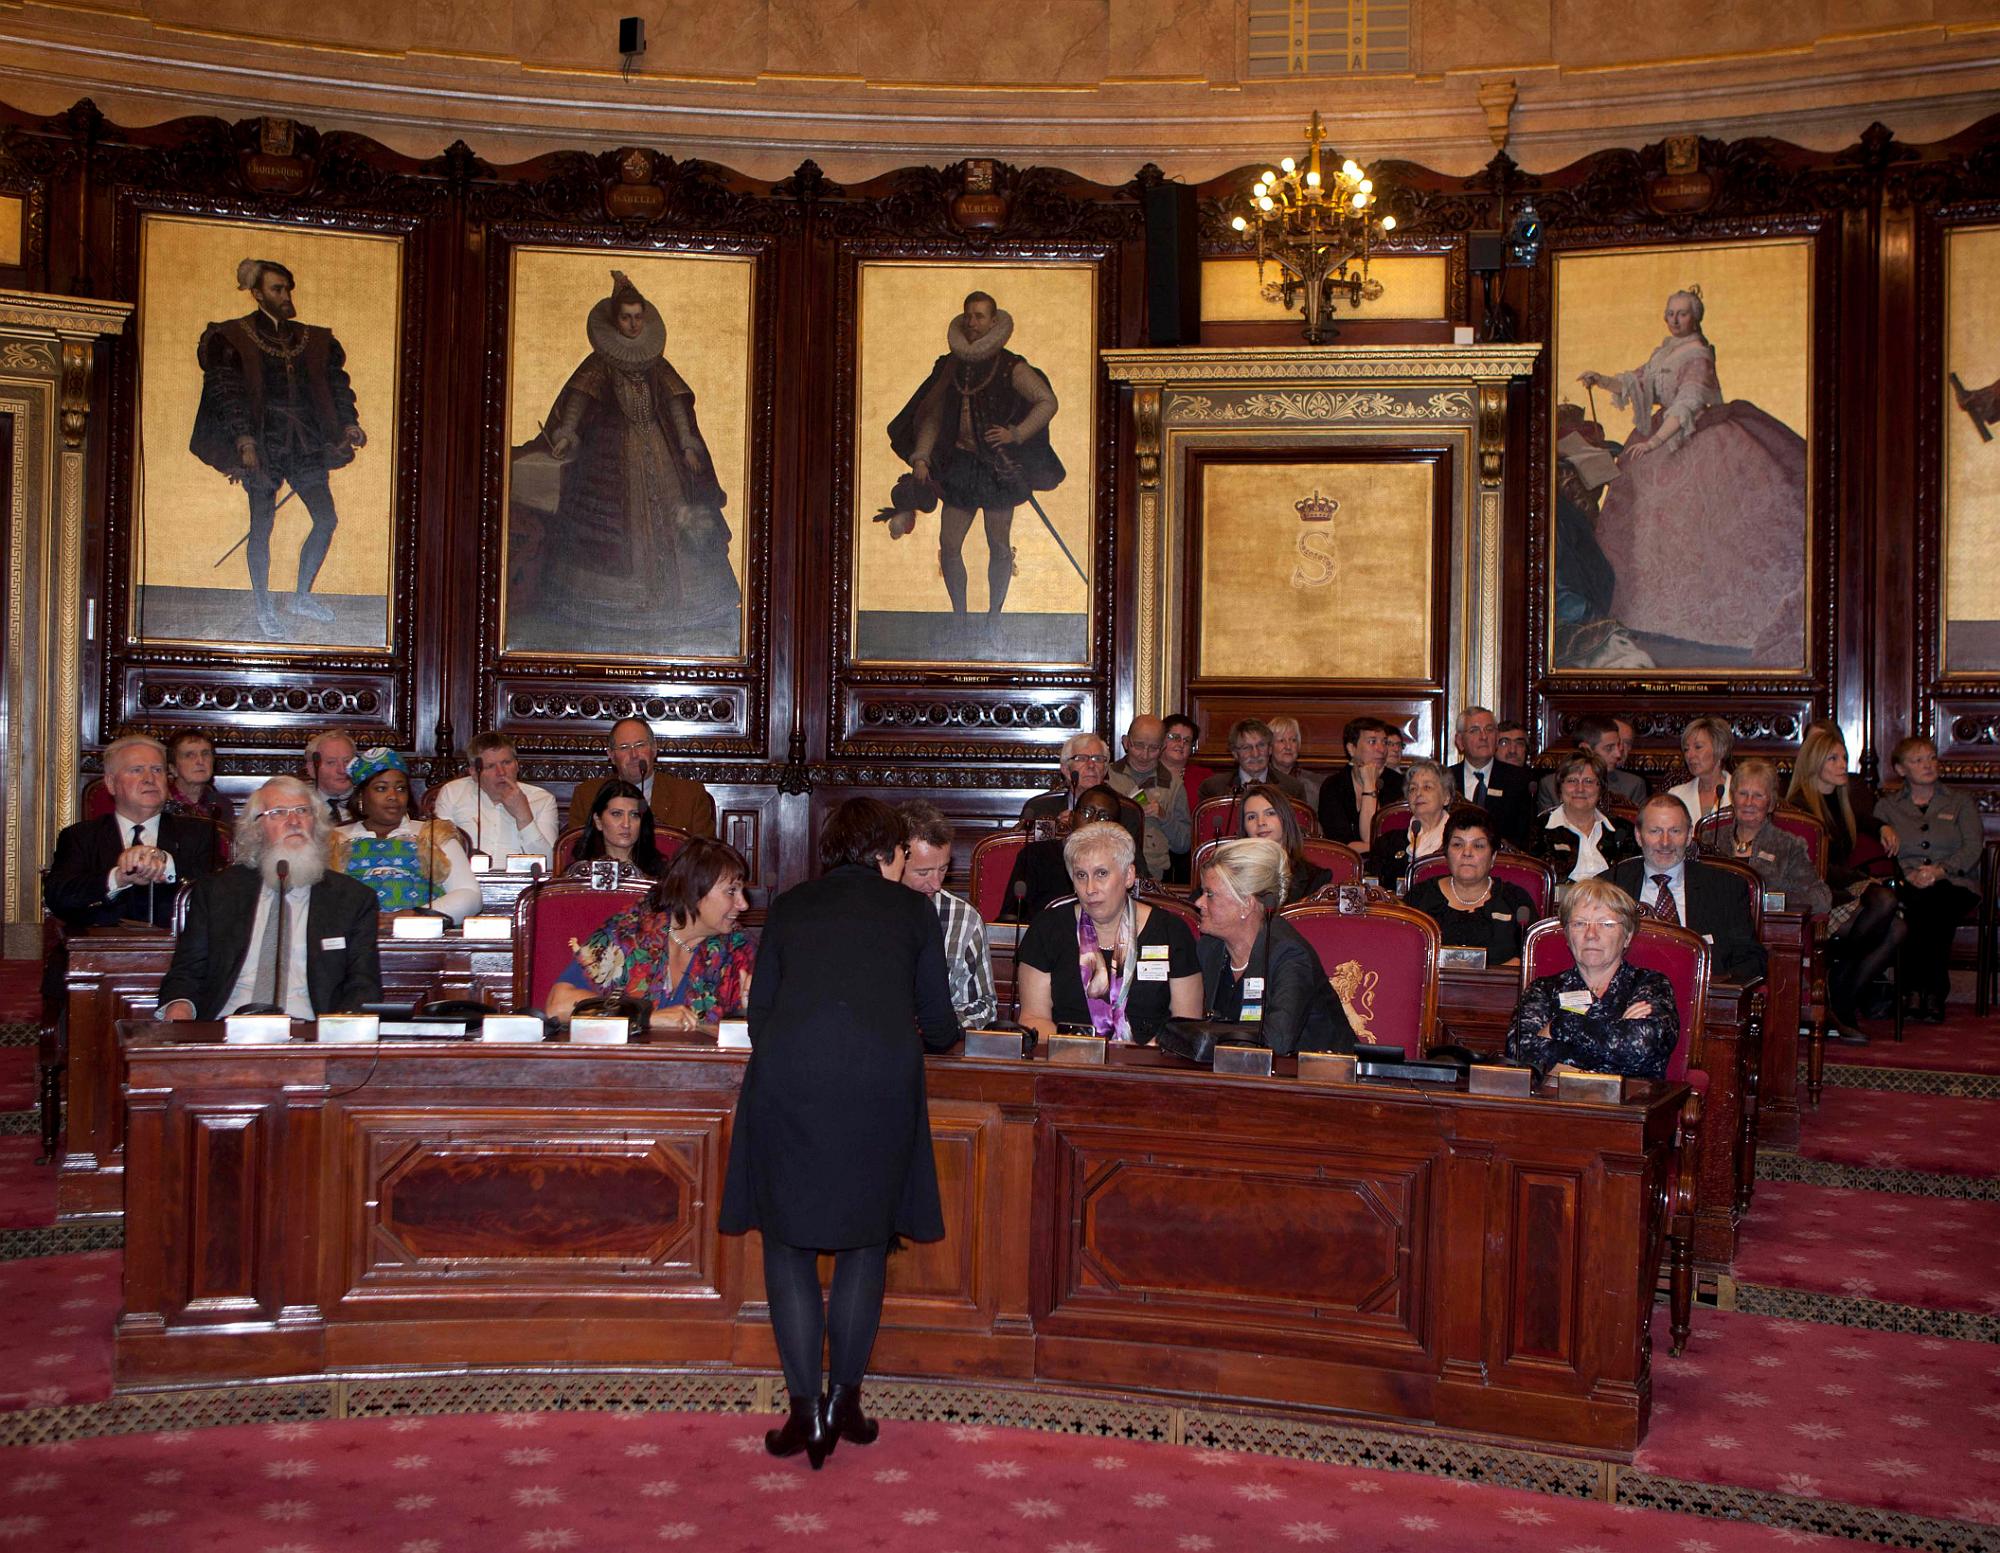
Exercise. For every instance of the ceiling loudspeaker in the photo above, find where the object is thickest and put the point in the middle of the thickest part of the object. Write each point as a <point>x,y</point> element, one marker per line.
<point>631,35</point>
<point>1173,266</point>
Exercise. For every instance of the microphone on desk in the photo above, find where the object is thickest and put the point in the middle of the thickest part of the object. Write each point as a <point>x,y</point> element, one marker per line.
<point>277,1003</point>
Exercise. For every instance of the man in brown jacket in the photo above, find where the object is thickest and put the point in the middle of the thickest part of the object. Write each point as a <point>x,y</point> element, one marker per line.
<point>635,756</point>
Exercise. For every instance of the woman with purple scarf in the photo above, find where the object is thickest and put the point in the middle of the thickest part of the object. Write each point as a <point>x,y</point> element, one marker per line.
<point>1105,961</point>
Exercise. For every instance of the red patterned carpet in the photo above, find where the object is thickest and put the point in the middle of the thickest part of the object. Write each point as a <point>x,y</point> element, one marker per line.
<point>27,1190</point>
<point>1938,1252</point>
<point>20,990</point>
<point>1964,1042</point>
<point>497,1484</point>
<point>1869,1418</point>
<point>1904,1132</point>
<point>55,1345</point>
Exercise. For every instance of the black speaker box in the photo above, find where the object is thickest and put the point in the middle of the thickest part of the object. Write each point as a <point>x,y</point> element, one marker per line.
<point>1173,266</point>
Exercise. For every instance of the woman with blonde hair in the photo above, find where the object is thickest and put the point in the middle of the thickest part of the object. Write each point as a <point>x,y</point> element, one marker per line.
<point>1256,968</point>
<point>1705,746</point>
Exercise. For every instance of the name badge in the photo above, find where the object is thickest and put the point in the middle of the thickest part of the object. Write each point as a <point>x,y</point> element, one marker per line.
<point>1769,857</point>
<point>1153,970</point>
<point>1501,916</point>
<point>1253,1013</point>
<point>1496,792</point>
<point>1152,951</point>
<point>1575,1002</point>
<point>333,943</point>
<point>1253,989</point>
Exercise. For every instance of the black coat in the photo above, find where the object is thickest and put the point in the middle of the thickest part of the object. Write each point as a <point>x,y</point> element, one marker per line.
<point>208,956</point>
<point>1510,798</point>
<point>87,852</point>
<point>1049,806</point>
<point>1340,812</point>
<point>1301,1014</point>
<point>832,1143</point>
<point>1718,908</point>
<point>1560,845</point>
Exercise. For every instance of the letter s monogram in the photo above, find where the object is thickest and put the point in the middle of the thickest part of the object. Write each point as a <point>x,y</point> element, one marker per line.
<point>1316,566</point>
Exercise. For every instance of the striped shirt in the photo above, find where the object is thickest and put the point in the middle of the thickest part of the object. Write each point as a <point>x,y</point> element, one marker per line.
<point>965,956</point>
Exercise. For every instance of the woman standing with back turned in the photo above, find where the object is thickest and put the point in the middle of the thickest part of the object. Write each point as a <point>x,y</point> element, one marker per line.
<point>832,1145</point>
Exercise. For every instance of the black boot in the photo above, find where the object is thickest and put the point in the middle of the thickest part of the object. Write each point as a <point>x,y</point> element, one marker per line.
<point>845,1419</point>
<point>805,1430</point>
<point>1934,1007</point>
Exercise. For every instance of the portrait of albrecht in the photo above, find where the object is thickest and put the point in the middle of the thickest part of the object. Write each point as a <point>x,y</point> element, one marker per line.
<point>977,432</point>
<point>277,410</point>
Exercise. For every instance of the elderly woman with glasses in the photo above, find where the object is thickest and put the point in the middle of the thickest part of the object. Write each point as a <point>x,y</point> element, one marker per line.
<point>1577,837</point>
<point>1603,1013</point>
<point>1106,961</point>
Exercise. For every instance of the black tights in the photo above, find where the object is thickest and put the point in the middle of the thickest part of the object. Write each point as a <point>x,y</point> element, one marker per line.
<point>1863,949</point>
<point>803,1322</point>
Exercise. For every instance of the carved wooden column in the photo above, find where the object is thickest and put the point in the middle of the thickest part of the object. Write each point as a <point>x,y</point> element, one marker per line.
<point>1321,402</point>
<point>47,349</point>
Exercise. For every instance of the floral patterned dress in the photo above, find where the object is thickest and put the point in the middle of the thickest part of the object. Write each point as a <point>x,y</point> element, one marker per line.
<point>627,957</point>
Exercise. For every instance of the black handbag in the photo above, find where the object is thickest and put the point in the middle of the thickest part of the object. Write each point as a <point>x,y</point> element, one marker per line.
<point>1196,1039</point>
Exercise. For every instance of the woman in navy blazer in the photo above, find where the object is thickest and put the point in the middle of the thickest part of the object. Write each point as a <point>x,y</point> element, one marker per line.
<point>1255,966</point>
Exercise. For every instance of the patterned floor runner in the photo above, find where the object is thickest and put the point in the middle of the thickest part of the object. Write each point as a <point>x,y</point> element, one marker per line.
<point>1873,1245</point>
<point>1904,1132</point>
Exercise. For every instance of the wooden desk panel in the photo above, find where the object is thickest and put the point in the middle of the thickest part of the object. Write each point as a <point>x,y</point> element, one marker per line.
<point>115,973</point>
<point>1477,1263</point>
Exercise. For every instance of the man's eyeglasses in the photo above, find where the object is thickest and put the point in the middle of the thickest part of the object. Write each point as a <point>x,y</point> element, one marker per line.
<point>300,810</point>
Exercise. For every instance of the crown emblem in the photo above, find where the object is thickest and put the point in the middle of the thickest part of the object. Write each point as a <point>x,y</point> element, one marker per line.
<point>1316,508</point>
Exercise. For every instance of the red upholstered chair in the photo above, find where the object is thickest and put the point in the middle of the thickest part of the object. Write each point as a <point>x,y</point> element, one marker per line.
<point>1154,894</point>
<point>1681,956</point>
<point>1715,830</point>
<point>1383,963</point>
<point>993,860</point>
<point>1337,858</point>
<point>548,916</point>
<point>1216,820</point>
<point>665,837</point>
<point>1530,874</point>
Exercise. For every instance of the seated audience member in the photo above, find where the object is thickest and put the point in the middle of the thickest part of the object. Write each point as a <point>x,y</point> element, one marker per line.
<point>1395,853</point>
<point>1866,929</point>
<point>328,755</point>
<point>678,802</point>
<point>1265,813</point>
<point>1601,737</point>
<point>1483,775</point>
<point>1041,873</point>
<point>1169,824</point>
<point>1603,1014</point>
<point>191,788</point>
<point>679,949</point>
<point>1256,968</point>
<point>1349,800</point>
<point>1250,743</point>
<point>227,955</point>
<point>1705,745</point>
<point>1510,743</point>
<point>1669,884</point>
<point>1085,763</point>
<point>967,962</point>
<point>1474,910</point>
<point>413,866</point>
<point>1286,741</point>
<point>1394,742</point>
<point>1140,960</point>
<point>1177,743</point>
<point>502,814</point>
<point>619,829</point>
<point>1579,839</point>
<point>123,866</point>
<point>1753,837</point>
<point>1938,841</point>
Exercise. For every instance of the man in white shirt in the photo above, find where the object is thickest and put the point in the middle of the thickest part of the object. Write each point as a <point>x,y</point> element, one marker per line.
<point>966,958</point>
<point>328,756</point>
<point>1674,887</point>
<point>502,814</point>
<point>231,952</point>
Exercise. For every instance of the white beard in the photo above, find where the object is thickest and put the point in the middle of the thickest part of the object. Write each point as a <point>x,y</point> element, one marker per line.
<point>307,867</point>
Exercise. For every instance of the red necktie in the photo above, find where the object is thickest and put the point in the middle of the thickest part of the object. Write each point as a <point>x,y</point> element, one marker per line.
<point>1663,903</point>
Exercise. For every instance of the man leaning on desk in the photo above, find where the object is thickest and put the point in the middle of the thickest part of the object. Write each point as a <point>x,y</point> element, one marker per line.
<point>228,955</point>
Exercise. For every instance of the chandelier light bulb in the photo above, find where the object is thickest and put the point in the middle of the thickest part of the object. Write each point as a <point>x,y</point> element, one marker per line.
<point>1264,203</point>
<point>1360,200</point>
<point>1367,185</point>
<point>1289,165</point>
<point>1312,180</point>
<point>1388,223</point>
<point>1271,177</point>
<point>1351,168</point>
<point>1243,226</point>
<point>1259,189</point>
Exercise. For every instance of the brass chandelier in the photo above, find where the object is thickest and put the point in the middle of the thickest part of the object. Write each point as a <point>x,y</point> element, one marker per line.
<point>1318,228</point>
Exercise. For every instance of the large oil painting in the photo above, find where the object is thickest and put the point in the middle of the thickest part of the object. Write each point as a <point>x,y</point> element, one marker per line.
<point>628,420</point>
<point>1683,432</point>
<point>975,430</point>
<point>1971,584</point>
<point>265,475</point>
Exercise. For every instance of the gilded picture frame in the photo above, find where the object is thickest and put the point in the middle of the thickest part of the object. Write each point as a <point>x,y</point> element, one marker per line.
<point>1681,512</point>
<point>1969,584</point>
<point>951,509</point>
<point>269,428</point>
<point>627,462</point>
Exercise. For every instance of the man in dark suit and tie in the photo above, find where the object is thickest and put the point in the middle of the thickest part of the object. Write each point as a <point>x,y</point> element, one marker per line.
<point>126,865</point>
<point>229,953</point>
<point>1480,776</point>
<point>1669,884</point>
